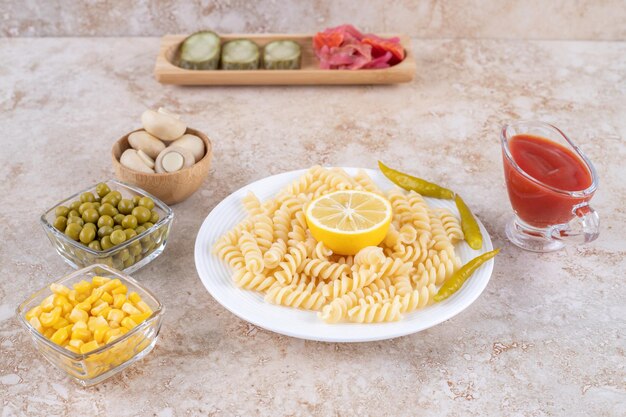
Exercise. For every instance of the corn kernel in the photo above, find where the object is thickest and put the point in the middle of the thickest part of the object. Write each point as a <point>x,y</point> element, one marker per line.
<point>106,297</point>
<point>67,308</point>
<point>112,338</point>
<point>100,333</point>
<point>34,321</point>
<point>139,318</point>
<point>61,322</point>
<point>95,295</point>
<point>98,281</point>
<point>89,346</point>
<point>33,312</point>
<point>72,349</point>
<point>82,334</point>
<point>95,322</point>
<point>59,336</point>
<point>85,305</point>
<point>82,287</point>
<point>77,343</point>
<point>78,314</point>
<point>60,299</point>
<point>115,315</point>
<point>124,330</point>
<point>128,308</point>
<point>105,311</point>
<point>48,319</point>
<point>80,297</point>
<point>109,286</point>
<point>80,325</point>
<point>98,302</point>
<point>71,296</point>
<point>128,323</point>
<point>134,297</point>
<point>120,290</point>
<point>48,332</point>
<point>48,303</point>
<point>99,308</point>
<point>114,324</point>
<point>59,289</point>
<point>119,300</point>
<point>144,307</point>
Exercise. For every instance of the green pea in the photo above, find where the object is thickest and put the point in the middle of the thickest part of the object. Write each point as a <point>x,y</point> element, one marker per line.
<point>106,221</point>
<point>106,243</point>
<point>135,249</point>
<point>142,214</point>
<point>95,245</point>
<point>146,202</point>
<point>117,237</point>
<point>87,197</point>
<point>118,227</point>
<point>87,235</point>
<point>154,216</point>
<point>90,215</point>
<point>73,213</point>
<point>136,200</point>
<point>102,189</point>
<point>83,207</point>
<point>129,222</point>
<point>104,231</point>
<point>108,210</point>
<point>125,206</point>
<point>148,225</point>
<point>76,220</point>
<point>61,211</point>
<point>140,230</point>
<point>75,205</point>
<point>113,198</point>
<point>96,205</point>
<point>73,230</point>
<point>129,262</point>
<point>130,233</point>
<point>124,254</point>
<point>91,226</point>
<point>60,223</point>
<point>118,218</point>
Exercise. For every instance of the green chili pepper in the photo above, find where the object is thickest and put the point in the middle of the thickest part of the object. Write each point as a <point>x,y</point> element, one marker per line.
<point>408,182</point>
<point>459,277</point>
<point>469,225</point>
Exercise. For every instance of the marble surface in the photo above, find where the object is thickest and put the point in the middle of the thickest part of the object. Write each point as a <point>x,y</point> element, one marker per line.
<point>546,338</point>
<point>530,19</point>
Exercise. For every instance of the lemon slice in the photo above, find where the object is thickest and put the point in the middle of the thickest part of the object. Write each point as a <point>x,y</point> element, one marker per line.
<point>347,221</point>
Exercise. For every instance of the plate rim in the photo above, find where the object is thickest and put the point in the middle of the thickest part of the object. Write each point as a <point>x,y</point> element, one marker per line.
<point>200,250</point>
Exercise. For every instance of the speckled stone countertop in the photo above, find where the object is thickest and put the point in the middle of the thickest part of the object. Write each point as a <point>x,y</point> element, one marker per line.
<point>546,338</point>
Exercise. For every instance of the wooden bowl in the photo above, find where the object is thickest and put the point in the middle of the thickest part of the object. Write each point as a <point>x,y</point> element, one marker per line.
<point>169,187</point>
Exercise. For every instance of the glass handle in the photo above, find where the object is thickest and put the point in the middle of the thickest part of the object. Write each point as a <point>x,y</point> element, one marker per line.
<point>583,228</point>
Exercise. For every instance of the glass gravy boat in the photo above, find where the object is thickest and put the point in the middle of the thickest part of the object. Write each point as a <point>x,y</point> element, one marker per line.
<point>548,217</point>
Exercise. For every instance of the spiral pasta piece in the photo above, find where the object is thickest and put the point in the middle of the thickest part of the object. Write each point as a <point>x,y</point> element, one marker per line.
<point>402,210</point>
<point>393,236</point>
<point>251,253</point>
<point>402,284</point>
<point>252,204</point>
<point>391,267</point>
<point>275,254</point>
<point>331,179</point>
<point>407,234</point>
<point>250,281</point>
<point>299,296</point>
<point>415,299</point>
<point>324,269</point>
<point>366,182</point>
<point>420,213</point>
<point>231,254</point>
<point>369,256</point>
<point>375,312</point>
<point>292,264</point>
<point>451,224</point>
<point>321,252</point>
<point>439,235</point>
<point>263,231</point>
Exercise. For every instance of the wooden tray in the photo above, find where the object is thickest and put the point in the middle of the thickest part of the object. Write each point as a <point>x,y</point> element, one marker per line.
<point>309,73</point>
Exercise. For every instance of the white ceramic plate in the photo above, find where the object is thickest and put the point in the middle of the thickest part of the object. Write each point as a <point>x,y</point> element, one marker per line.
<point>249,305</point>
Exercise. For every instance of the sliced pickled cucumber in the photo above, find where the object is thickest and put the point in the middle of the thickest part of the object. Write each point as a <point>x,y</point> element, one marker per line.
<point>283,55</point>
<point>240,54</point>
<point>200,51</point>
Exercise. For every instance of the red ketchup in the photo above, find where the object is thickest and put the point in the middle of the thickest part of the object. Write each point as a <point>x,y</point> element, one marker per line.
<point>550,164</point>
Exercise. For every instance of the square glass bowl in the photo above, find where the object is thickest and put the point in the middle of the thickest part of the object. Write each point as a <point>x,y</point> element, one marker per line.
<point>128,256</point>
<point>96,366</point>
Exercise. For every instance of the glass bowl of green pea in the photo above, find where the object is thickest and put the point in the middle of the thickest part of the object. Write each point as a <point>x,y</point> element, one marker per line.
<point>111,223</point>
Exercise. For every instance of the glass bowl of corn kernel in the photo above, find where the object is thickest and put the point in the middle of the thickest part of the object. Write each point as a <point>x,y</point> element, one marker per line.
<point>93,322</point>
